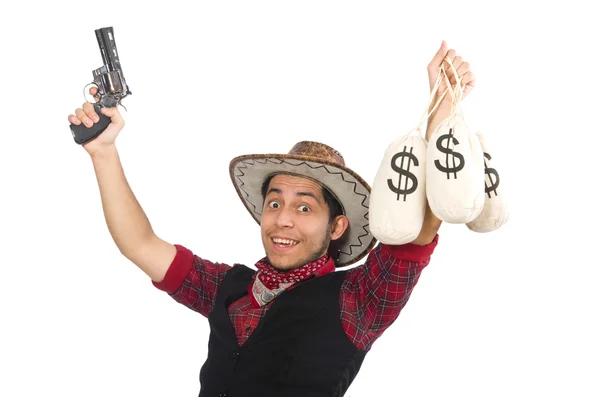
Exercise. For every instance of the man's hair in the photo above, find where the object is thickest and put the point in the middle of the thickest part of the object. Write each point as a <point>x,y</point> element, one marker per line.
<point>334,206</point>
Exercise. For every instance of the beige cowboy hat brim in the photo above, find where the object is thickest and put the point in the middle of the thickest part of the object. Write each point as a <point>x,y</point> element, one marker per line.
<point>248,172</point>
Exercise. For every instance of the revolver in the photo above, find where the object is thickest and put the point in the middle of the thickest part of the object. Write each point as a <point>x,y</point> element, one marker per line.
<point>110,81</point>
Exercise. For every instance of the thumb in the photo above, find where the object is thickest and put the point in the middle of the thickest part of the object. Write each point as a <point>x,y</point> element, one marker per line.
<point>113,113</point>
<point>440,55</point>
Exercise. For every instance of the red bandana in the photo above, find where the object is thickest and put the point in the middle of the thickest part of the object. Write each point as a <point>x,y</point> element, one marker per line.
<point>271,277</point>
<point>270,282</point>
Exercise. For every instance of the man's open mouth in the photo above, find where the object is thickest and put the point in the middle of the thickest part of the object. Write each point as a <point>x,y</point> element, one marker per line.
<point>283,243</point>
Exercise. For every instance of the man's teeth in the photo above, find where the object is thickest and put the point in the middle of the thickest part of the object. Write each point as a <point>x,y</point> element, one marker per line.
<point>286,242</point>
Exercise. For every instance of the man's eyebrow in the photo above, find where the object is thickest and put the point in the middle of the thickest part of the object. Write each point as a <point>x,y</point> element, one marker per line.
<point>306,194</point>
<point>273,190</point>
<point>309,194</point>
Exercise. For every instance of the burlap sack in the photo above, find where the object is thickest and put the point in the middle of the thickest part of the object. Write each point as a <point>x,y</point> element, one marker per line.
<point>495,209</point>
<point>455,169</point>
<point>398,200</point>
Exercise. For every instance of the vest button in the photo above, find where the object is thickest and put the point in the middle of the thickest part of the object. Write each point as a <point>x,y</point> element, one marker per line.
<point>236,354</point>
<point>223,394</point>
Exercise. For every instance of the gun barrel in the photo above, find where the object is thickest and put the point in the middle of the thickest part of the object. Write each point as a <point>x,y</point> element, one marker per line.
<point>111,74</point>
<point>108,48</point>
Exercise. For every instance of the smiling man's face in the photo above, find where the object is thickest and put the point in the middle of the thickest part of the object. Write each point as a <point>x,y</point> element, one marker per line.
<point>295,225</point>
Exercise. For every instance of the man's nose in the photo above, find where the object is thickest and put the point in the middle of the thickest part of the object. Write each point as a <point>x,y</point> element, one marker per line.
<point>285,218</point>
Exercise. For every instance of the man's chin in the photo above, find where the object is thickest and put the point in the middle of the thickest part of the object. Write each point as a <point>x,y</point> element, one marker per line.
<point>281,264</point>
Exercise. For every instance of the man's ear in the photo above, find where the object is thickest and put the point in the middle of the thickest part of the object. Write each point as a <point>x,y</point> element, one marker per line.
<point>339,226</point>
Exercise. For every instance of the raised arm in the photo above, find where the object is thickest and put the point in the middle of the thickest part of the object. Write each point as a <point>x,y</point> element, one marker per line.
<point>126,221</point>
<point>188,279</point>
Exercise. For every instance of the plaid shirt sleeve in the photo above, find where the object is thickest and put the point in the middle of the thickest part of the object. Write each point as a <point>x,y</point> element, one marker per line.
<point>193,281</point>
<point>374,293</point>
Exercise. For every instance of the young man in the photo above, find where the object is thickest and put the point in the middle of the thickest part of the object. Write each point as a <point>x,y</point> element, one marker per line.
<point>295,326</point>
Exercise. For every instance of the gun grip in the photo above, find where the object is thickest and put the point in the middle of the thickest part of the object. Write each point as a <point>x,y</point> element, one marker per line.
<point>82,134</point>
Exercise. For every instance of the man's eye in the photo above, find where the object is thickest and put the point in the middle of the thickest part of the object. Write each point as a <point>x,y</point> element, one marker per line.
<point>274,204</point>
<point>304,208</point>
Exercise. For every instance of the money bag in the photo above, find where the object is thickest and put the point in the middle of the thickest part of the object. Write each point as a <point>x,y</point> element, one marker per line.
<point>495,209</point>
<point>398,200</point>
<point>455,167</point>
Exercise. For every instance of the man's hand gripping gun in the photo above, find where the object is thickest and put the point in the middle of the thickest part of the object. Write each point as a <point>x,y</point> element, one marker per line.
<point>111,84</point>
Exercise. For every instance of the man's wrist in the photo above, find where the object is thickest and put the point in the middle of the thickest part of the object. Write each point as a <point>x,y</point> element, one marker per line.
<point>442,112</point>
<point>103,151</point>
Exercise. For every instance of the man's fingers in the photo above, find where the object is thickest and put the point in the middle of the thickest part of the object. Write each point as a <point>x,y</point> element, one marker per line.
<point>468,88</point>
<point>114,114</point>
<point>83,117</point>
<point>461,70</point>
<point>467,78</point>
<point>109,112</point>
<point>457,63</point>
<point>93,92</point>
<point>449,58</point>
<point>74,119</point>
<point>455,67</point>
<point>90,111</point>
<point>467,83</point>
<point>439,56</point>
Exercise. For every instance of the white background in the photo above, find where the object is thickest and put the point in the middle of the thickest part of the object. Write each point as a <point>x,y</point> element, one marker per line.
<point>508,313</point>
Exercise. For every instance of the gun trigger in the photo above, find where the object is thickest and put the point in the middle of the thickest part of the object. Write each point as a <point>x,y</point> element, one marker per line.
<point>120,104</point>
<point>94,96</point>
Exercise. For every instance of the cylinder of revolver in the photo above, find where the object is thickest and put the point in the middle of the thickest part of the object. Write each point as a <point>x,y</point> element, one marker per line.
<point>110,76</point>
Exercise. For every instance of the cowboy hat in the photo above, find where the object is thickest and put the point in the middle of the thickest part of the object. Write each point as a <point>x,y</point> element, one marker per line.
<point>324,165</point>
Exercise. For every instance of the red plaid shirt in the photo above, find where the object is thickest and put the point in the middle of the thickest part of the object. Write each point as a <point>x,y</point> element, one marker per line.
<point>371,297</point>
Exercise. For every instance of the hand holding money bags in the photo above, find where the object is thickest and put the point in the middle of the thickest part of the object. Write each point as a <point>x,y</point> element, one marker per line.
<point>398,199</point>
<point>452,172</point>
<point>455,166</point>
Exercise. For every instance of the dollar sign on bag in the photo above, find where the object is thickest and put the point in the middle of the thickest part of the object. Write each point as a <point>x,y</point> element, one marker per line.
<point>489,172</point>
<point>455,168</point>
<point>401,171</point>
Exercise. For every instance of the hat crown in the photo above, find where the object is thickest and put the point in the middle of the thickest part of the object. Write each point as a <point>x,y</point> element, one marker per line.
<point>321,163</point>
<point>318,150</point>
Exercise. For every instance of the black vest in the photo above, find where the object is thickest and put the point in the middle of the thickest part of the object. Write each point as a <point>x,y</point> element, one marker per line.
<point>298,349</point>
